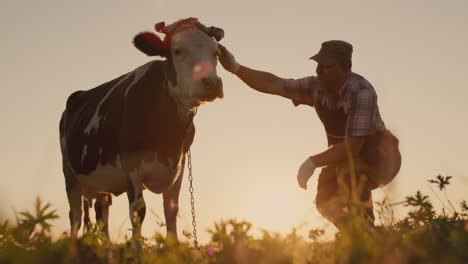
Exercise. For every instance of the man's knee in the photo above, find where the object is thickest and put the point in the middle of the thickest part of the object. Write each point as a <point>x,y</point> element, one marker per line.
<point>332,209</point>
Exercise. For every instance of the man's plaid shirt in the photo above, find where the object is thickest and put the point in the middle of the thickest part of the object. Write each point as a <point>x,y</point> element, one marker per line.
<point>357,98</point>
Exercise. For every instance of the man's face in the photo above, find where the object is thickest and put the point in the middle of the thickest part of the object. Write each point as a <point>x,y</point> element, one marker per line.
<point>331,77</point>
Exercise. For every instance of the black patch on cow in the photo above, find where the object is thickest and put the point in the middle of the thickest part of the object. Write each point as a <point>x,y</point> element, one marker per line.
<point>101,145</point>
<point>143,120</point>
<point>151,119</point>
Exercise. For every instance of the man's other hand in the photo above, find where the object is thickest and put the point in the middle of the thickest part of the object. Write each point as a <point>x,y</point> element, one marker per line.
<point>305,172</point>
<point>227,60</point>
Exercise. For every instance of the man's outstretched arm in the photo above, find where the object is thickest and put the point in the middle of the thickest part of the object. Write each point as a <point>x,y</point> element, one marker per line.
<point>261,81</point>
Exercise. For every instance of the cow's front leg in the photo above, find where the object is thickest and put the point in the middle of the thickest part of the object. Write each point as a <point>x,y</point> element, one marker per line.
<point>137,207</point>
<point>171,205</point>
<point>101,207</point>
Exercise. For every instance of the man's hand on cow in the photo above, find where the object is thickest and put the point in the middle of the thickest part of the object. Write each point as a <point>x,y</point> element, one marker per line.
<point>227,60</point>
<point>305,172</point>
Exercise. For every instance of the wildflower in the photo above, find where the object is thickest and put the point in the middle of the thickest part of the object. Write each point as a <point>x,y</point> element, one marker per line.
<point>209,251</point>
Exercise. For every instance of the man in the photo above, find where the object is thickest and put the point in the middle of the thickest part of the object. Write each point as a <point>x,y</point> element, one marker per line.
<point>362,153</point>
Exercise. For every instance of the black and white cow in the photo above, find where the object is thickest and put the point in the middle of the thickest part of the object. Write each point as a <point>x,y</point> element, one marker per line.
<point>133,132</point>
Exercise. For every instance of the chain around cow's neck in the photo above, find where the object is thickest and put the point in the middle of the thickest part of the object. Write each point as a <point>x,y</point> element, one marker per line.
<point>192,199</point>
<point>189,161</point>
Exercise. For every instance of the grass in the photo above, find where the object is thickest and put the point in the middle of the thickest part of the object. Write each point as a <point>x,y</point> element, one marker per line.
<point>422,236</point>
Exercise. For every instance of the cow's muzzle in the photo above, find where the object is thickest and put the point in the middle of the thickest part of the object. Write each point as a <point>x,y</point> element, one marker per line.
<point>212,87</point>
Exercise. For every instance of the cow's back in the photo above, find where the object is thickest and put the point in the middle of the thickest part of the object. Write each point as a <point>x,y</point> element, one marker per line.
<point>91,123</point>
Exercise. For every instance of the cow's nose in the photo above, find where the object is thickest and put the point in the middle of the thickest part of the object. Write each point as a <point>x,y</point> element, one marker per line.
<point>213,86</point>
<point>212,83</point>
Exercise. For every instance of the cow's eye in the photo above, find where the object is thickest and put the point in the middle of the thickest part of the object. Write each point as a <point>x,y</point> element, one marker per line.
<point>177,52</point>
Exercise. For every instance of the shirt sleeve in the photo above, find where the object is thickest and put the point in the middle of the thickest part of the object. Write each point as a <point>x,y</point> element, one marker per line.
<point>360,117</point>
<point>301,91</point>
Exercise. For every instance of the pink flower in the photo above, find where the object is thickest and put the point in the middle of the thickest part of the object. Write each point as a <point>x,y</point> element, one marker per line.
<point>210,251</point>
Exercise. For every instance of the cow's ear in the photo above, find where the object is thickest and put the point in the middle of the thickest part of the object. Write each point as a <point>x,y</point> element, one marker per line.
<point>150,44</point>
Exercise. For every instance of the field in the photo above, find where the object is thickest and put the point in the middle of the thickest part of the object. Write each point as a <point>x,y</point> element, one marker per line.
<point>422,236</point>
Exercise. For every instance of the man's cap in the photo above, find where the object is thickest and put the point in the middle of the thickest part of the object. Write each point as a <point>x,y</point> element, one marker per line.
<point>334,52</point>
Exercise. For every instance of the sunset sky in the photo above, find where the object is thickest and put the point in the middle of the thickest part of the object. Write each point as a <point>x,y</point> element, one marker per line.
<point>249,145</point>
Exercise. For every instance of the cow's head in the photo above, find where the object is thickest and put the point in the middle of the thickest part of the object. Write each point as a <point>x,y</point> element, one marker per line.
<point>191,50</point>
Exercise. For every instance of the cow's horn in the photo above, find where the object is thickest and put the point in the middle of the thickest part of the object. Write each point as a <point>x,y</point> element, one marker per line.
<point>159,27</point>
<point>215,32</point>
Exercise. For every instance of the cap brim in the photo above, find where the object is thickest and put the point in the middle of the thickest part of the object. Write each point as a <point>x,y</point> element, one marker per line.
<point>322,59</point>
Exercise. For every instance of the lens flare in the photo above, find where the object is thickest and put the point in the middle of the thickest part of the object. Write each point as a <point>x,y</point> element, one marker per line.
<point>201,70</point>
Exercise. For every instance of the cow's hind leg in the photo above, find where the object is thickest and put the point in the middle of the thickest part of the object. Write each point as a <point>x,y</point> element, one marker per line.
<point>87,203</point>
<point>72,187</point>
<point>75,201</point>
<point>171,205</point>
<point>101,207</point>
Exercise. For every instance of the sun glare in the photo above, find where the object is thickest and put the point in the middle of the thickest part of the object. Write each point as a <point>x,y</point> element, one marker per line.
<point>274,209</point>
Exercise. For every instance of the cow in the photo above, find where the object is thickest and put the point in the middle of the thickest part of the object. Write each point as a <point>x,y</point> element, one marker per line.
<point>132,133</point>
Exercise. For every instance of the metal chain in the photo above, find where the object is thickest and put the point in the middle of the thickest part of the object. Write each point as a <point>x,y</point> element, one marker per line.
<point>192,200</point>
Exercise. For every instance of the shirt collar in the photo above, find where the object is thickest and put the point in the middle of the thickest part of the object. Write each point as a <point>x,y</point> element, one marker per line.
<point>342,90</point>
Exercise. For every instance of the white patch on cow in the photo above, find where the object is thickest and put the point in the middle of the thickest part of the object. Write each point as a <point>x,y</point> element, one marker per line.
<point>188,103</point>
<point>96,118</point>
<point>63,148</point>
<point>192,68</point>
<point>139,73</point>
<point>105,178</point>
<point>83,153</point>
<point>154,175</point>
<point>157,176</point>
